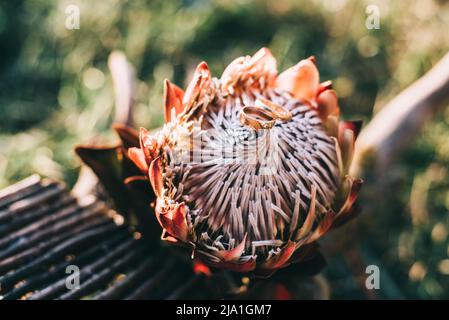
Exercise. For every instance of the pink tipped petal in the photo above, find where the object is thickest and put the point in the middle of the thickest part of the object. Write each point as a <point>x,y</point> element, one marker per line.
<point>192,91</point>
<point>279,260</point>
<point>177,91</point>
<point>232,70</point>
<point>257,71</point>
<point>324,226</point>
<point>173,96</point>
<point>312,59</point>
<point>200,77</point>
<point>138,157</point>
<point>155,175</point>
<point>149,144</point>
<point>301,80</point>
<point>264,60</point>
<point>327,104</point>
<point>145,142</point>
<point>143,136</point>
<point>179,214</point>
<point>233,254</point>
<point>346,209</point>
<point>174,221</point>
<point>326,85</point>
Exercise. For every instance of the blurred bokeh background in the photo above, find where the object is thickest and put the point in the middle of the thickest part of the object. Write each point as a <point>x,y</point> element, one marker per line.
<point>56,91</point>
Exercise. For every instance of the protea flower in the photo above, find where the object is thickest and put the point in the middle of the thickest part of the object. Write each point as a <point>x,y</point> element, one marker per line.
<point>249,169</point>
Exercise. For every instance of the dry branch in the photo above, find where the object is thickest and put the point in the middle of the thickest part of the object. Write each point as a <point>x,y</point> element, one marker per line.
<point>399,121</point>
<point>123,78</point>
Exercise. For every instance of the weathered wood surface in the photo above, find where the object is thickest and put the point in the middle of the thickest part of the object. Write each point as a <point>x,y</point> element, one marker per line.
<point>44,229</point>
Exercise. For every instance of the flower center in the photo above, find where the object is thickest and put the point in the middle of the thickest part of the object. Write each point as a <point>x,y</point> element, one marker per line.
<point>239,179</point>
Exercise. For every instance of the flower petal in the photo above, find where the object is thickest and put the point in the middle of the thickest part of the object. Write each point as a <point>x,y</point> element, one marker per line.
<point>257,71</point>
<point>346,211</point>
<point>173,96</point>
<point>326,85</point>
<point>324,226</point>
<point>279,260</point>
<point>327,104</point>
<point>174,221</point>
<point>146,142</point>
<point>128,135</point>
<point>301,80</point>
<point>138,157</point>
<point>232,69</point>
<point>155,175</point>
<point>200,77</point>
<point>233,254</point>
<point>264,61</point>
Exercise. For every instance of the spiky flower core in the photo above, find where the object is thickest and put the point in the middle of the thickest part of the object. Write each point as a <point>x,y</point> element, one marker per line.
<point>248,166</point>
<point>233,190</point>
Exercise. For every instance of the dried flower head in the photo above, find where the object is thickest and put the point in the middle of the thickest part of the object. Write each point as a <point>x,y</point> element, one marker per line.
<point>249,168</point>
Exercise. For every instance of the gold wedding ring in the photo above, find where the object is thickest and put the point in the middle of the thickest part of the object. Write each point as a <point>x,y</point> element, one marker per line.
<point>257,118</point>
<point>278,111</point>
<point>263,114</point>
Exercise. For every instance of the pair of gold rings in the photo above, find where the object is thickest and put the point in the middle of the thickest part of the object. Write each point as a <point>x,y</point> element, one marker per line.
<point>263,114</point>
